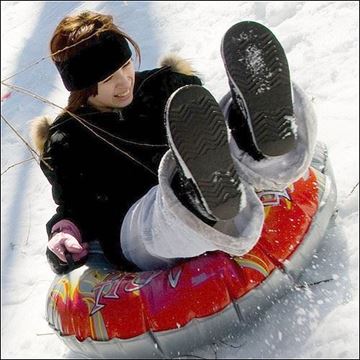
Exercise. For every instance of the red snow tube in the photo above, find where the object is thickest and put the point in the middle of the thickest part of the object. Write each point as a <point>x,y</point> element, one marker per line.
<point>148,313</point>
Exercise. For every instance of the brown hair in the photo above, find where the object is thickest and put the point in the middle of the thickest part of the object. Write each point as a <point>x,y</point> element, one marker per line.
<point>77,29</point>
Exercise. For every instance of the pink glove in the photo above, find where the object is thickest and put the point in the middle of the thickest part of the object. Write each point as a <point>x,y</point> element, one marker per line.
<point>67,237</point>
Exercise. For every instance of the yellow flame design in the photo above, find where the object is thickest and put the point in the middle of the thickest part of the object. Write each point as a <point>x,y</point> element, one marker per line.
<point>257,264</point>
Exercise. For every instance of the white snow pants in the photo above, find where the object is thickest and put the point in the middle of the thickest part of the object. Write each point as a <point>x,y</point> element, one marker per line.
<point>158,229</point>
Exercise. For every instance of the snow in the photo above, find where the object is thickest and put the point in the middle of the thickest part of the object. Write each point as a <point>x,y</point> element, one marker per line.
<point>255,64</point>
<point>322,45</point>
<point>294,128</point>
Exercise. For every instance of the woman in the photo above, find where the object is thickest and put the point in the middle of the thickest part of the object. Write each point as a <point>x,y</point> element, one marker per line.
<point>93,183</point>
<point>102,154</point>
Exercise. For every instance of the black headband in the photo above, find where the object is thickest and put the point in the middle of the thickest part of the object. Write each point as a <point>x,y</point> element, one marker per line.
<point>95,62</point>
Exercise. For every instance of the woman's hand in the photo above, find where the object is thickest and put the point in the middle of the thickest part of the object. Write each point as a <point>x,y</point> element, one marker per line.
<point>62,242</point>
<point>66,239</point>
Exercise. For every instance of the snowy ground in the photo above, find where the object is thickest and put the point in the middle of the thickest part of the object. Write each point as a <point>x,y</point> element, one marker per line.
<point>322,44</point>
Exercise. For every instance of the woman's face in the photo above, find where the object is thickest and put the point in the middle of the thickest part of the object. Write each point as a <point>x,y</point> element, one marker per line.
<point>116,91</point>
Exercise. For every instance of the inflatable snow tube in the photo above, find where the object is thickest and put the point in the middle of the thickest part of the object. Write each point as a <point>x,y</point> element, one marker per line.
<point>103,313</point>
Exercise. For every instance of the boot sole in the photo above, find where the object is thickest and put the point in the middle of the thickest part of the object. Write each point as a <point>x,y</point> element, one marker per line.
<point>258,70</point>
<point>198,137</point>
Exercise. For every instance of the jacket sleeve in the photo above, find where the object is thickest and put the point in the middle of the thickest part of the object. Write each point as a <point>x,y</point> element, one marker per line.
<point>153,92</point>
<point>60,170</point>
<point>63,171</point>
<point>175,80</point>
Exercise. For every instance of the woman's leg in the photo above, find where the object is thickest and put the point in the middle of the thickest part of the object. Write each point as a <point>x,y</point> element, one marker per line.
<point>276,173</point>
<point>159,229</point>
<point>272,123</point>
<point>200,204</point>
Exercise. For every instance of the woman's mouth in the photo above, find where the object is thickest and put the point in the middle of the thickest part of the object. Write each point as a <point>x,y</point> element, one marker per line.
<point>123,94</point>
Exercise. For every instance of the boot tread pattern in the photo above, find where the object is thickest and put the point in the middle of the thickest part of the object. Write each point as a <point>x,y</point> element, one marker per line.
<point>198,133</point>
<point>258,71</point>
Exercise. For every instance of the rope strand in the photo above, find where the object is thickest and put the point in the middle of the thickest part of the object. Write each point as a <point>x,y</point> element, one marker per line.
<point>81,120</point>
<point>124,140</point>
<point>78,118</point>
<point>19,163</point>
<point>53,54</point>
<point>25,142</point>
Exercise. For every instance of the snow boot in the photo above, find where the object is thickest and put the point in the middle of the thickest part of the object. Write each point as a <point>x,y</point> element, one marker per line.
<point>189,196</point>
<point>198,138</point>
<point>259,80</point>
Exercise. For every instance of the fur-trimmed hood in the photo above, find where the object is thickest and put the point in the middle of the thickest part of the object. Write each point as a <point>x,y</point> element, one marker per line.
<point>40,126</point>
<point>39,131</point>
<point>178,64</point>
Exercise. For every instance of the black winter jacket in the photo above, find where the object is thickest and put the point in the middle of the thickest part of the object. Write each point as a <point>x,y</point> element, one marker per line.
<point>94,184</point>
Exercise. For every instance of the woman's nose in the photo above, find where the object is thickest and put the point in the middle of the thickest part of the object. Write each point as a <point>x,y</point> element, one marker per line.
<point>121,77</point>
